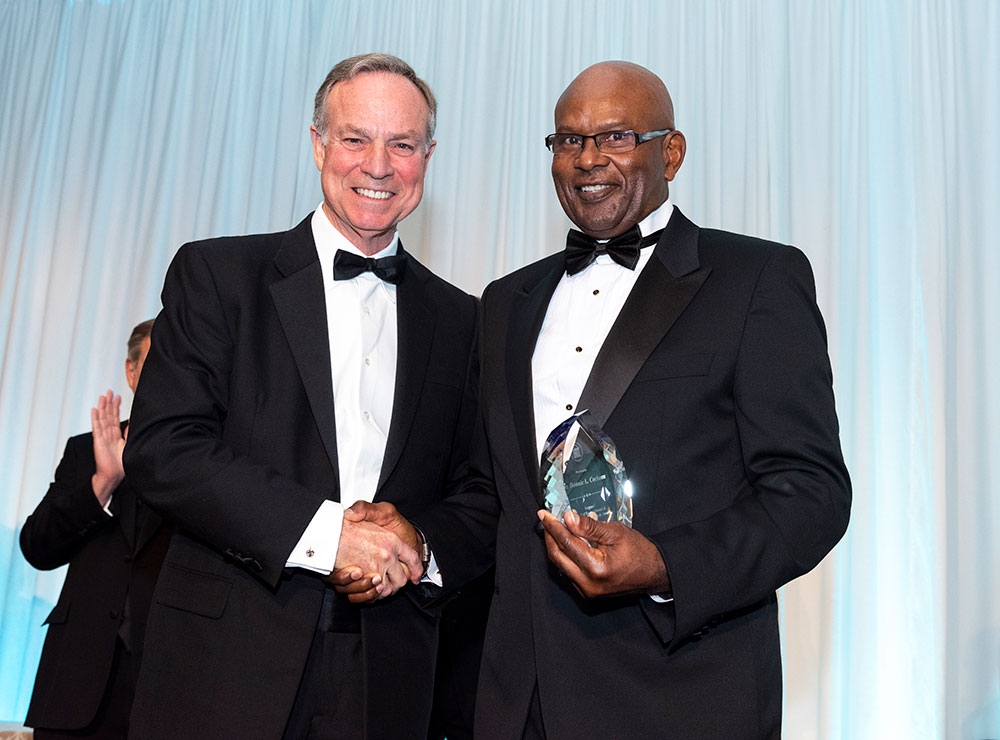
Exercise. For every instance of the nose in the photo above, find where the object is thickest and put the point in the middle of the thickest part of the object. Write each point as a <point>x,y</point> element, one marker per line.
<point>590,156</point>
<point>377,164</point>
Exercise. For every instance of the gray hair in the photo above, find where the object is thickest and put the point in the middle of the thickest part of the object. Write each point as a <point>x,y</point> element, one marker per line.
<point>139,333</point>
<point>354,66</point>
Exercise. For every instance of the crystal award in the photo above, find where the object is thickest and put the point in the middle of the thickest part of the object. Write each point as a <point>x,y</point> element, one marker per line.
<point>581,470</point>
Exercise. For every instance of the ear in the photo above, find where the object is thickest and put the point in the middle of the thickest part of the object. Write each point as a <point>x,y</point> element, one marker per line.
<point>319,150</point>
<point>674,149</point>
<point>430,151</point>
<point>131,376</point>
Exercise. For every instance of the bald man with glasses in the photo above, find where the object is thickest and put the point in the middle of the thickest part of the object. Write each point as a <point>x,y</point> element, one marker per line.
<point>702,355</point>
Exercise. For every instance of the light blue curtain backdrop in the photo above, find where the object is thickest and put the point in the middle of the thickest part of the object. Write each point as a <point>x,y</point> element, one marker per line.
<point>865,133</point>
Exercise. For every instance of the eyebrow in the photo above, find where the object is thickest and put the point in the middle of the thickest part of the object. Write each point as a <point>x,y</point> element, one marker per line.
<point>395,136</point>
<point>617,126</point>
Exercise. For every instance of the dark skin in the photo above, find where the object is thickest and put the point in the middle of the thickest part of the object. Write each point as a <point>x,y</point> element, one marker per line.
<point>604,195</point>
<point>608,558</point>
<point>606,97</point>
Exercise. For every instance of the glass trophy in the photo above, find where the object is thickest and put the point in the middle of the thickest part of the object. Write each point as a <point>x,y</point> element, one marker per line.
<point>581,470</point>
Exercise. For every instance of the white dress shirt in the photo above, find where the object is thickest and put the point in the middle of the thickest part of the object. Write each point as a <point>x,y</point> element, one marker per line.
<point>361,321</point>
<point>579,318</point>
<point>581,312</point>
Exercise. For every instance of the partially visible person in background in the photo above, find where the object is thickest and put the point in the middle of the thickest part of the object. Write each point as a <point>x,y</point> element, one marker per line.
<point>91,519</point>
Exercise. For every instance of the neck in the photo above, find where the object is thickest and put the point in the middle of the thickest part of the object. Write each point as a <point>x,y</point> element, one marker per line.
<point>368,243</point>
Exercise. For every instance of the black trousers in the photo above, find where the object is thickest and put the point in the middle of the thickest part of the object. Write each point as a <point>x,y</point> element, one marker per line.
<point>330,703</point>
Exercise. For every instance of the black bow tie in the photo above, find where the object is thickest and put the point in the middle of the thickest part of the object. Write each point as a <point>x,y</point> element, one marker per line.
<point>581,249</point>
<point>347,265</point>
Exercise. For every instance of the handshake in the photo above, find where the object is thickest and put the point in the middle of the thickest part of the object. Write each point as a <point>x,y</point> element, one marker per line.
<point>379,553</point>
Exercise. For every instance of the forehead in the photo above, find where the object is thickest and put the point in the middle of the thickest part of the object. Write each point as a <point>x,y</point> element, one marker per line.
<point>603,101</point>
<point>379,99</point>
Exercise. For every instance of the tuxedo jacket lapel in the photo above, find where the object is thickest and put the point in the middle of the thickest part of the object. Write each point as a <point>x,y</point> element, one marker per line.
<point>662,291</point>
<point>300,303</point>
<point>527,312</point>
<point>415,334</point>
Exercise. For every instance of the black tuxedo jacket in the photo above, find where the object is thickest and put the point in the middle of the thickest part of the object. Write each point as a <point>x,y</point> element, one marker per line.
<point>233,439</point>
<point>716,386</point>
<point>110,557</point>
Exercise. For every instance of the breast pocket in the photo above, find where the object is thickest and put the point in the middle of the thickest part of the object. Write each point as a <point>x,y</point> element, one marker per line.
<point>677,366</point>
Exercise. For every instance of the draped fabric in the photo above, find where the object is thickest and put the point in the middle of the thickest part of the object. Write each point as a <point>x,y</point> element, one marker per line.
<point>865,133</point>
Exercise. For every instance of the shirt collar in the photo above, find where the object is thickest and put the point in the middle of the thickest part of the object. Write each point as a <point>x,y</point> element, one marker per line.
<point>328,239</point>
<point>658,219</point>
<point>654,221</point>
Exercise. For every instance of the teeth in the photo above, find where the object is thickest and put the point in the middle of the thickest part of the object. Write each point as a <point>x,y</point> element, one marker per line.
<point>376,194</point>
<point>594,188</point>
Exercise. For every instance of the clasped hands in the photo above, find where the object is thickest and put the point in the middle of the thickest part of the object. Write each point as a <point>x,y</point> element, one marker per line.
<point>380,556</point>
<point>377,555</point>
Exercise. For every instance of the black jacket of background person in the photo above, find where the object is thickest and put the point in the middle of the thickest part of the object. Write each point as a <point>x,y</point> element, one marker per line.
<point>109,557</point>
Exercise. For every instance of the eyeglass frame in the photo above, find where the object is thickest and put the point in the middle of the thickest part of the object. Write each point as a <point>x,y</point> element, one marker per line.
<point>640,138</point>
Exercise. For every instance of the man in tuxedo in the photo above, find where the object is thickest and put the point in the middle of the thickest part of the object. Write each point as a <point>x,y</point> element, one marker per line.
<point>293,374</point>
<point>91,519</point>
<point>702,355</point>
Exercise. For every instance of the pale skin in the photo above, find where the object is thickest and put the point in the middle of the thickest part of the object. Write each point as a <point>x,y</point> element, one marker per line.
<point>372,159</point>
<point>374,556</point>
<point>105,422</point>
<point>363,586</point>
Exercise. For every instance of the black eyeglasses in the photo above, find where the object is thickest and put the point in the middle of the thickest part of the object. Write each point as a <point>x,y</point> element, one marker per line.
<point>614,142</point>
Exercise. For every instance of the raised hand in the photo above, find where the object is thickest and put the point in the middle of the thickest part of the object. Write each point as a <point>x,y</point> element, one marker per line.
<point>105,421</point>
<point>617,560</point>
<point>364,586</point>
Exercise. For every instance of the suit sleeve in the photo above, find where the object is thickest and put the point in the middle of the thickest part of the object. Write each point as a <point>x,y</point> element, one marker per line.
<point>798,500</point>
<point>179,457</point>
<point>68,515</point>
<point>462,528</point>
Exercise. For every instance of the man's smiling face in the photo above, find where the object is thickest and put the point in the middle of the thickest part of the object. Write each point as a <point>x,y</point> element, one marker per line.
<point>373,156</point>
<point>607,194</point>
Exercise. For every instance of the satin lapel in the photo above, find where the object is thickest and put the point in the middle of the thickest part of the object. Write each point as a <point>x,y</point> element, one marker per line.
<point>415,334</point>
<point>300,302</point>
<point>656,301</point>
<point>527,312</point>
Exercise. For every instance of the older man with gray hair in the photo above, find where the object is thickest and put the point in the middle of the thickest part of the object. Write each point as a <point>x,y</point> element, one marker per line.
<point>292,375</point>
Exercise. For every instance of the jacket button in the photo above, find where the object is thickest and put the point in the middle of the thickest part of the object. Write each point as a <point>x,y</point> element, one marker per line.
<point>113,613</point>
<point>127,558</point>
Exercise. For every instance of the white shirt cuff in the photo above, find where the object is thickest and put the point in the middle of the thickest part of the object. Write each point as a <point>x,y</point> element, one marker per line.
<point>316,549</point>
<point>433,572</point>
<point>660,599</point>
